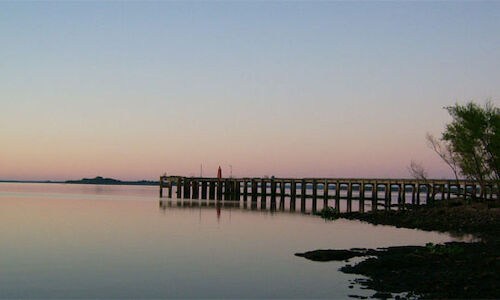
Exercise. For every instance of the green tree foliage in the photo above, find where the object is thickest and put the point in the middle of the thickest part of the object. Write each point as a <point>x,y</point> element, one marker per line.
<point>474,136</point>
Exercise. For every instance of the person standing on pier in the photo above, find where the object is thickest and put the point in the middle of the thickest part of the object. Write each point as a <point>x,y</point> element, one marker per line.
<point>219,173</point>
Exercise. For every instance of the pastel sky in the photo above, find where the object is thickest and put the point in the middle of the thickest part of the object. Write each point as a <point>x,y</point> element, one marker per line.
<point>133,89</point>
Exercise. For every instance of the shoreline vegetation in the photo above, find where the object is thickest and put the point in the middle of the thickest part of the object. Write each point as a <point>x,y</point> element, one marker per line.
<point>450,270</point>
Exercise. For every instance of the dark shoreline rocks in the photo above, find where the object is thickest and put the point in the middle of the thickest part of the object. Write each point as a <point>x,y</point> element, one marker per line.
<point>452,270</point>
<point>335,255</point>
<point>479,219</point>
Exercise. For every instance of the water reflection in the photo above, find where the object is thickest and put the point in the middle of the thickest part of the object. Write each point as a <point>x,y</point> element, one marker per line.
<point>218,205</point>
<point>58,243</point>
<point>300,206</point>
<point>225,206</point>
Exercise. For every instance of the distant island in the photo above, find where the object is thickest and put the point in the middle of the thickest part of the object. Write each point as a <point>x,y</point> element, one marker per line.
<point>111,181</point>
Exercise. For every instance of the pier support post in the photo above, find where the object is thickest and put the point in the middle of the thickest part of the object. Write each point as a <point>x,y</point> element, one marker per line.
<point>374,196</point>
<point>263,189</point>
<point>245,190</point>
<point>388,196</point>
<point>427,193</point>
<point>254,190</point>
<point>187,188</point>
<point>203,190</point>
<point>273,196</point>
<point>325,194</point>
<point>223,189</point>
<point>418,193</point>
<point>362,197</point>
<point>211,190</point>
<point>263,194</point>
<point>402,186</point>
<point>161,186</point>
<point>196,188</point>
<point>315,195</point>
<point>282,190</point>
<point>282,195</point>
<point>272,206</point>
<point>400,195</point>
<point>337,196</point>
<point>413,193</point>
<point>303,195</point>
<point>170,183</point>
<point>226,189</point>
<point>433,192</point>
<point>273,190</point>
<point>293,194</point>
<point>219,189</point>
<point>314,189</point>
<point>234,191</point>
<point>178,189</point>
<point>349,197</point>
<point>237,190</point>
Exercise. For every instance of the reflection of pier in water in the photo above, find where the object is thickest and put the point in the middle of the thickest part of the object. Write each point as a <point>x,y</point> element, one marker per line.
<point>166,204</point>
<point>342,194</point>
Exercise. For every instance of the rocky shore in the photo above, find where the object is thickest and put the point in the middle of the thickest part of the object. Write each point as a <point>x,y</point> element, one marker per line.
<point>452,270</point>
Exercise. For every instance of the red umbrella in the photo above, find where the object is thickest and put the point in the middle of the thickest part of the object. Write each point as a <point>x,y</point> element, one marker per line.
<point>219,173</point>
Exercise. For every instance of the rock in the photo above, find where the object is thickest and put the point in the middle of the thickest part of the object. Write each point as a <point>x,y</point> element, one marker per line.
<point>380,295</point>
<point>331,255</point>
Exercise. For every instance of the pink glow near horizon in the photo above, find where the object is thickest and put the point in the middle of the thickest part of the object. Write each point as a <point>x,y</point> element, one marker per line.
<point>135,158</point>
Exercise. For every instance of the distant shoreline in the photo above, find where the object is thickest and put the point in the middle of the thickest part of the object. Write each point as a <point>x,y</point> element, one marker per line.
<point>97,180</point>
<point>30,181</point>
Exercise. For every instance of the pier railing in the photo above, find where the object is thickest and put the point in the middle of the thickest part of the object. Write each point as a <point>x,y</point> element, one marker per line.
<point>344,194</point>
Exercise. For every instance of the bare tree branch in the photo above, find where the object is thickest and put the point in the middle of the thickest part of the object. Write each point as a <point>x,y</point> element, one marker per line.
<point>417,171</point>
<point>445,151</point>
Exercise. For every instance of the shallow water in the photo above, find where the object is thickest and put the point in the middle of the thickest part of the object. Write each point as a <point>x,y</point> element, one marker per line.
<point>88,241</point>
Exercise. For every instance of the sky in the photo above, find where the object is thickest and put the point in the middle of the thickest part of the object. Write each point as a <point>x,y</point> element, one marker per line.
<point>131,90</point>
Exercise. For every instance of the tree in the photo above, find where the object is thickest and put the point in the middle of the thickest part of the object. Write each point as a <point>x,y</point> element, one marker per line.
<point>444,150</point>
<point>474,139</point>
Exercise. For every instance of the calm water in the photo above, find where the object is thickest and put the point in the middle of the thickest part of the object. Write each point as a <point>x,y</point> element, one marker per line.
<point>92,241</point>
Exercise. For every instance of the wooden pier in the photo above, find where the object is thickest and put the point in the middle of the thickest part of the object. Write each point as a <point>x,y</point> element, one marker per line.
<point>344,194</point>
